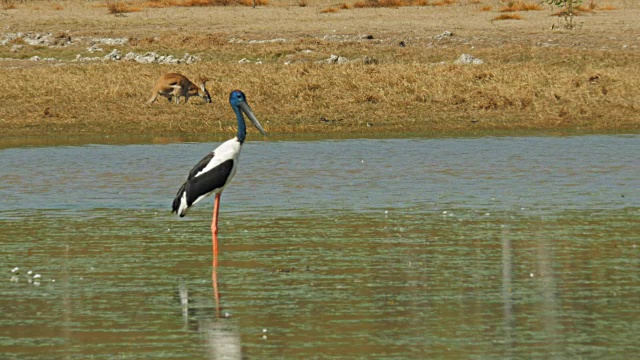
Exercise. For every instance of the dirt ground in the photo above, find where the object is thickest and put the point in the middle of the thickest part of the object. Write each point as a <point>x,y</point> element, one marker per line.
<point>605,29</point>
<point>287,40</point>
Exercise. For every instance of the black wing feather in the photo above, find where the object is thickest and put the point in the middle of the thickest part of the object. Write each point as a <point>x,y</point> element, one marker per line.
<point>176,202</point>
<point>200,165</point>
<point>208,182</point>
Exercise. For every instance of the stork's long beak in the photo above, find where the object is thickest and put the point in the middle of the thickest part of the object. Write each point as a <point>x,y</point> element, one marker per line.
<point>247,110</point>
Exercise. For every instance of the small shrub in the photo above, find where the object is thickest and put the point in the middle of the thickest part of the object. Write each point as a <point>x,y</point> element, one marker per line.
<point>569,10</point>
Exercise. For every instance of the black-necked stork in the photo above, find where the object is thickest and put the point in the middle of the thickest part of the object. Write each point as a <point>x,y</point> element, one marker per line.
<point>214,172</point>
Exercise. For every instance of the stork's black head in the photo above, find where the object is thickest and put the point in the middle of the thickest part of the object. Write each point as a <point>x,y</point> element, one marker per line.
<point>238,100</point>
<point>236,97</point>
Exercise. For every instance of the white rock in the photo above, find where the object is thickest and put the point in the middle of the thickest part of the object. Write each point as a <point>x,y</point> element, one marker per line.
<point>445,34</point>
<point>466,59</point>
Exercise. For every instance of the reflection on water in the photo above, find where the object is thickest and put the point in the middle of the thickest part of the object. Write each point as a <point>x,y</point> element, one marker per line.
<point>435,248</point>
<point>221,335</point>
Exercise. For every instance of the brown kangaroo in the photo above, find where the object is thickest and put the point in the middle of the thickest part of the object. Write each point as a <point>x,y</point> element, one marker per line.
<point>175,85</point>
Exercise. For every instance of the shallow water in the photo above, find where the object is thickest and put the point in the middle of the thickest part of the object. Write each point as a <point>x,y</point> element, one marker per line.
<point>510,247</point>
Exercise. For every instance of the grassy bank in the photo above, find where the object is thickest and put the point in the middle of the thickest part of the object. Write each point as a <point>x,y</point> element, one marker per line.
<point>400,76</point>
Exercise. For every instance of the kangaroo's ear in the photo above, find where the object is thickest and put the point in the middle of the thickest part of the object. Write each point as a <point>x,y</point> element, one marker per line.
<point>203,80</point>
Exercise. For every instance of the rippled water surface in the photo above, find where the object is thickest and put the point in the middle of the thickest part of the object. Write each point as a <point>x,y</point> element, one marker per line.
<point>509,247</point>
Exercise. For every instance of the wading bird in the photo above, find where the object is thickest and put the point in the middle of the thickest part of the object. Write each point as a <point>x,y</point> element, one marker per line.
<point>214,172</point>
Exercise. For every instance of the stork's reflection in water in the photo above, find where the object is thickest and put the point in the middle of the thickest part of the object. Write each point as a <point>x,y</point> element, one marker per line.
<point>220,332</point>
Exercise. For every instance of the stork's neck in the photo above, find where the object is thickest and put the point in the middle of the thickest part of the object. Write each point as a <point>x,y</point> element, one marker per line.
<point>242,128</point>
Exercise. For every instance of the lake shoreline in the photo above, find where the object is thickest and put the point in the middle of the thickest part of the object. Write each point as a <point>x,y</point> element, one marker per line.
<point>125,139</point>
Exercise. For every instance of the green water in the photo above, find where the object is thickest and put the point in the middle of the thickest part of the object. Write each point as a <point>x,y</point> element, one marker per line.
<point>387,249</point>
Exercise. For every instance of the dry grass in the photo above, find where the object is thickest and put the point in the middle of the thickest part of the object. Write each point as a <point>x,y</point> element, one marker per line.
<point>380,3</point>
<point>543,79</point>
<point>399,3</point>
<point>8,4</point>
<point>585,9</point>
<point>393,97</point>
<point>443,2</point>
<point>120,7</point>
<point>159,4</point>
<point>510,16</point>
<point>329,10</point>
<point>521,6</point>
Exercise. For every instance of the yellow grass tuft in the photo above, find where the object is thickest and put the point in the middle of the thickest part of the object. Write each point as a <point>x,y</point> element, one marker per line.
<point>398,3</point>
<point>345,6</point>
<point>195,3</point>
<point>486,8</point>
<point>584,9</point>
<point>57,7</point>
<point>8,5</point>
<point>200,3</point>
<point>157,4</point>
<point>329,10</point>
<point>120,7</point>
<point>508,17</point>
<point>378,3</point>
<point>521,6</point>
<point>443,2</point>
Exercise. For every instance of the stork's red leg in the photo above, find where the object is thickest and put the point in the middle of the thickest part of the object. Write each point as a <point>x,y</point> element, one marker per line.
<point>214,239</point>
<point>214,229</point>
<point>216,294</point>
